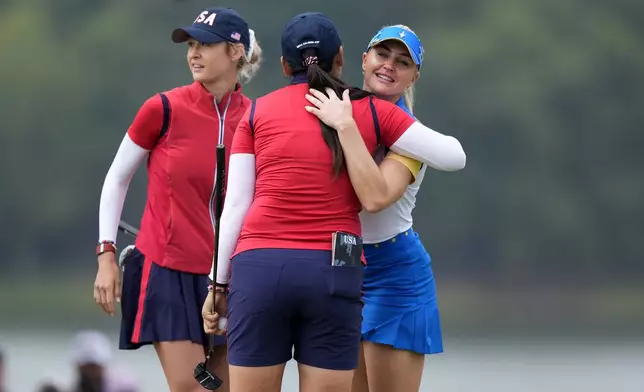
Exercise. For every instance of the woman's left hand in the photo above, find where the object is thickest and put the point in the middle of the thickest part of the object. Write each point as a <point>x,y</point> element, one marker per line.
<point>215,322</point>
<point>330,109</point>
<point>210,318</point>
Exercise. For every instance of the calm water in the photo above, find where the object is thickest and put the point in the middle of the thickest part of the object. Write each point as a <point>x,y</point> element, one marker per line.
<point>495,366</point>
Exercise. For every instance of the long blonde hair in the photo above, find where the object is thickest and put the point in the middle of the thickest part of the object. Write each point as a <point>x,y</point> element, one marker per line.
<point>249,63</point>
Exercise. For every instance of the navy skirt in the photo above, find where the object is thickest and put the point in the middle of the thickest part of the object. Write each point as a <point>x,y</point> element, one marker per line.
<point>161,305</point>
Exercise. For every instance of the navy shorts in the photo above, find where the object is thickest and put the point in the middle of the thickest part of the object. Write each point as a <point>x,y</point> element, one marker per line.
<point>160,305</point>
<point>289,303</point>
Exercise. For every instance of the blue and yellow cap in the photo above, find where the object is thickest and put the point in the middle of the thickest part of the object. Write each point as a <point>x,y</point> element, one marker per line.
<point>409,38</point>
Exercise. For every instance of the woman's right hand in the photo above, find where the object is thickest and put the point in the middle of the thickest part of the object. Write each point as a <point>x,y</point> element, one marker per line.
<point>334,111</point>
<point>107,286</point>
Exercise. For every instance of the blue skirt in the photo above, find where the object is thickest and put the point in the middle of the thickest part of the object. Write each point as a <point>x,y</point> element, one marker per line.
<point>400,308</point>
<point>161,305</point>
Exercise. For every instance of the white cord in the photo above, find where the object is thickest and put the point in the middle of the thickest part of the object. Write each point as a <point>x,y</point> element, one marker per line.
<point>251,45</point>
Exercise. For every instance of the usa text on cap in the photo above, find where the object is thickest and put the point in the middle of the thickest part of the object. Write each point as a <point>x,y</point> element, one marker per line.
<point>215,25</point>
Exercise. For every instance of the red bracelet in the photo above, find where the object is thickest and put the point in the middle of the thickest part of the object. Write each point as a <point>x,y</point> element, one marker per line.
<point>105,246</point>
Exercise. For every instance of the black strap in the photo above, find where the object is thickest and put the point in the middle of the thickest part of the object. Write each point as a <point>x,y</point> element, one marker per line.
<point>166,115</point>
<point>376,123</point>
<point>251,117</point>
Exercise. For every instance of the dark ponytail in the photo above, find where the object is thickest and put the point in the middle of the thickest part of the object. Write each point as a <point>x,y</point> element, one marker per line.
<point>320,79</point>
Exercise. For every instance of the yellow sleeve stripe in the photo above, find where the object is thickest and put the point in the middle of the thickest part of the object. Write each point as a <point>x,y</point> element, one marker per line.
<point>411,164</point>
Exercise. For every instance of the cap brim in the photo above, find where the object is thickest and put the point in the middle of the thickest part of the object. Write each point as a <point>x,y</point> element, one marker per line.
<point>412,54</point>
<point>205,37</point>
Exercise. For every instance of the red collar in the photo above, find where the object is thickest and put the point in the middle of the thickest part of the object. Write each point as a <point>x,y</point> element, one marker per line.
<point>205,99</point>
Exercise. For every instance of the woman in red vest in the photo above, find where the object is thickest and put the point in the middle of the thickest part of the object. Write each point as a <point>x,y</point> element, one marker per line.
<point>165,280</point>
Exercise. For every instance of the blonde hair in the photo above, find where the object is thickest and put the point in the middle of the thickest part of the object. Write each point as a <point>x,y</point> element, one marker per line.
<point>249,63</point>
<point>408,94</point>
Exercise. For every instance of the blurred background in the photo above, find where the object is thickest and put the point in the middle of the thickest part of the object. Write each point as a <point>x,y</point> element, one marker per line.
<point>537,246</point>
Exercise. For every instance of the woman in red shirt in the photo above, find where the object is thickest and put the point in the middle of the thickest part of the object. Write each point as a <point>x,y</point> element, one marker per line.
<point>291,226</point>
<point>166,276</point>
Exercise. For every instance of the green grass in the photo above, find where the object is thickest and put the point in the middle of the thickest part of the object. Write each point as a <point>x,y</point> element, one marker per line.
<point>64,302</point>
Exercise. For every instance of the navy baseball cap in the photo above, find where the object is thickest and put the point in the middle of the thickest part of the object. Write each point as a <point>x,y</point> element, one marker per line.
<point>407,37</point>
<point>215,25</point>
<point>310,30</point>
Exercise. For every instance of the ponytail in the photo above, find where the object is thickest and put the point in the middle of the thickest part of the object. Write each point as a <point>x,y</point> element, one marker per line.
<point>320,79</point>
